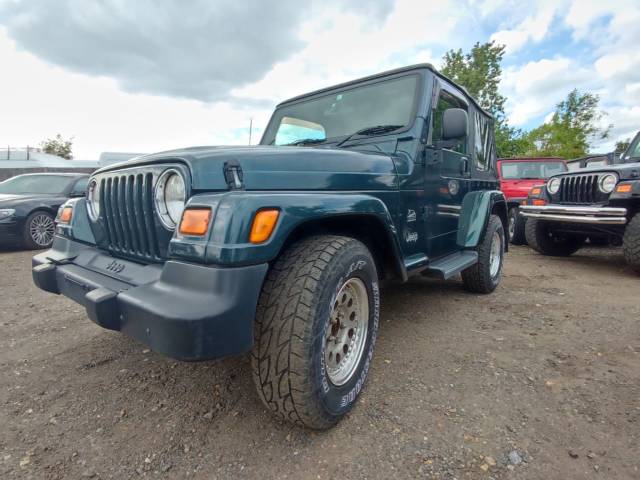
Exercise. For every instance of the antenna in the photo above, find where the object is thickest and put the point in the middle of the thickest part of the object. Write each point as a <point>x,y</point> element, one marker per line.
<point>250,128</point>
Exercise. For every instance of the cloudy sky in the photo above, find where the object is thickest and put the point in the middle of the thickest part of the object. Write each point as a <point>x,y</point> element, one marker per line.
<point>145,75</point>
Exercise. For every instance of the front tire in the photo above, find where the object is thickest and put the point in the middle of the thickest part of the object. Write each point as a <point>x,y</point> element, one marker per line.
<point>316,326</point>
<point>38,231</point>
<point>542,238</point>
<point>484,276</point>
<point>516,227</point>
<point>631,243</point>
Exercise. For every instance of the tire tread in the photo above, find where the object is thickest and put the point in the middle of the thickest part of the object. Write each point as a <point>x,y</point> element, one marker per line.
<point>283,332</point>
<point>631,243</point>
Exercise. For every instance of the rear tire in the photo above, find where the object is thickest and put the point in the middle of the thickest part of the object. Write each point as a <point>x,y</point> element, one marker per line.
<point>484,276</point>
<point>316,326</point>
<point>38,230</point>
<point>631,243</point>
<point>541,237</point>
<point>516,227</point>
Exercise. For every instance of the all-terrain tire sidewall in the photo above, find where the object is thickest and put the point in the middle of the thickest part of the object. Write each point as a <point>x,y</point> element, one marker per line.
<point>338,400</point>
<point>631,243</point>
<point>478,278</point>
<point>294,309</point>
<point>512,218</point>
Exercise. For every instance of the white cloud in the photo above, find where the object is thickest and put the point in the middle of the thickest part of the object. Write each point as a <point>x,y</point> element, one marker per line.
<point>194,49</point>
<point>534,88</point>
<point>533,28</point>
<point>45,100</point>
<point>342,45</point>
<point>611,30</point>
<point>250,70</point>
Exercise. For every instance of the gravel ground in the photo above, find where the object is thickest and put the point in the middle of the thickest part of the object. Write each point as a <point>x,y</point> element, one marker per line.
<point>539,380</point>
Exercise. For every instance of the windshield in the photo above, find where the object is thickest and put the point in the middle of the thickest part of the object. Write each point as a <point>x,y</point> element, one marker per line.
<point>338,114</point>
<point>633,152</point>
<point>533,170</point>
<point>46,184</point>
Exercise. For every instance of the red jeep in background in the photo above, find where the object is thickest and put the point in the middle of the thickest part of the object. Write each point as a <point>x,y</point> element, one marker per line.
<point>517,176</point>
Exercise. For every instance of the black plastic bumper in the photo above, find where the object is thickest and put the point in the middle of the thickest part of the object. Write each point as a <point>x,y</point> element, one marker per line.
<point>10,233</point>
<point>182,310</point>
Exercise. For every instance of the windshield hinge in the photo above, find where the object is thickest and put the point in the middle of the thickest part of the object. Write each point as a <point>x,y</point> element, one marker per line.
<point>233,174</point>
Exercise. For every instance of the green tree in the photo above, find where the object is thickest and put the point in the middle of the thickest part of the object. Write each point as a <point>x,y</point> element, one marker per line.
<point>480,71</point>
<point>58,146</point>
<point>574,126</point>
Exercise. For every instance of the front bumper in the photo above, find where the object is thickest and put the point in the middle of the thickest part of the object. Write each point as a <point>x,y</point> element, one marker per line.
<point>576,214</point>
<point>10,233</point>
<point>183,310</point>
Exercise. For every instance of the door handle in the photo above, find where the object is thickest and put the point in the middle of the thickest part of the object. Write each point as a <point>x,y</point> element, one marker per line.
<point>464,165</point>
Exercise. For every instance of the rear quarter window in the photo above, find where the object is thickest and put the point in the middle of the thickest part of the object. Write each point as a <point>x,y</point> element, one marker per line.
<point>483,149</point>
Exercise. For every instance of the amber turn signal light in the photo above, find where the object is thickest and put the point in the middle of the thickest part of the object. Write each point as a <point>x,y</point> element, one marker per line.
<point>195,221</point>
<point>535,191</point>
<point>65,215</point>
<point>263,225</point>
<point>538,202</point>
<point>624,188</point>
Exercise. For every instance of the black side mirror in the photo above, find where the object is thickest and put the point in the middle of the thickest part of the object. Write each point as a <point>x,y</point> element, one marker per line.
<point>455,123</point>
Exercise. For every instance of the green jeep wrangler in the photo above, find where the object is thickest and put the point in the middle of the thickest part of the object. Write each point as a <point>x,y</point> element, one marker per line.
<point>278,249</point>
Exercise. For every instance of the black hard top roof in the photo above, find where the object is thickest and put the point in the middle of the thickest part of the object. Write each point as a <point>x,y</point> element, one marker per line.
<point>417,66</point>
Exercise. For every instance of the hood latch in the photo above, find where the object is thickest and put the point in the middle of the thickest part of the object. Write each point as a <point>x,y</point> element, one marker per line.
<point>233,174</point>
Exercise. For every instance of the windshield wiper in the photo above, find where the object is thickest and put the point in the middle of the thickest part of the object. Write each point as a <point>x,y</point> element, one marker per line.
<point>305,141</point>
<point>370,131</point>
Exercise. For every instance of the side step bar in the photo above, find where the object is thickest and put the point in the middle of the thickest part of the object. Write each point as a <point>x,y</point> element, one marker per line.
<point>447,267</point>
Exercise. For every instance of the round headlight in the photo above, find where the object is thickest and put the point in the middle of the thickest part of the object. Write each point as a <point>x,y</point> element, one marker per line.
<point>553,186</point>
<point>170,198</point>
<point>93,200</point>
<point>607,183</point>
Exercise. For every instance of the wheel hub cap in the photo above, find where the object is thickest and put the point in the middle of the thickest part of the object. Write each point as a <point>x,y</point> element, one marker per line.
<point>346,332</point>
<point>41,230</point>
<point>495,255</point>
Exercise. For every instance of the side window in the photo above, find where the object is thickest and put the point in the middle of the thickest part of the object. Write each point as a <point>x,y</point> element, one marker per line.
<point>597,162</point>
<point>483,144</point>
<point>446,101</point>
<point>80,187</point>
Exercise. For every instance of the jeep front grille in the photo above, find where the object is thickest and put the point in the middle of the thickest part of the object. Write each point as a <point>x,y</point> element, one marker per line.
<point>581,188</point>
<point>127,202</point>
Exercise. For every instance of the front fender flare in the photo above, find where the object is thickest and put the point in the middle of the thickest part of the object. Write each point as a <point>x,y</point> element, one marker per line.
<point>228,240</point>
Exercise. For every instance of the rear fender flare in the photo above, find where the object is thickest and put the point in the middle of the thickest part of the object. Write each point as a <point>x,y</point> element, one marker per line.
<point>476,208</point>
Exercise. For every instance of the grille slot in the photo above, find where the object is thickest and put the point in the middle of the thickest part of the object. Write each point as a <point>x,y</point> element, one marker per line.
<point>580,189</point>
<point>127,203</point>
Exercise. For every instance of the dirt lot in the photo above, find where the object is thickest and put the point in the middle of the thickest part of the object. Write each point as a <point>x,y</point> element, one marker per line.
<point>547,369</point>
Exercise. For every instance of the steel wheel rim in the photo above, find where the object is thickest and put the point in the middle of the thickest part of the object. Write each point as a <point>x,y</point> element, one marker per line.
<point>512,226</point>
<point>346,332</point>
<point>495,255</point>
<point>41,230</point>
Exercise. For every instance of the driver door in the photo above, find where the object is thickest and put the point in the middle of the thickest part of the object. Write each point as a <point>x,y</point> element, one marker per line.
<point>447,179</point>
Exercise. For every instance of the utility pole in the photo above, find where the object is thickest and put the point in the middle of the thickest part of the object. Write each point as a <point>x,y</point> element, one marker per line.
<point>250,129</point>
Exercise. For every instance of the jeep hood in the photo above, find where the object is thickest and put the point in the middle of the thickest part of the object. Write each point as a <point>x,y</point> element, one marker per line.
<point>279,168</point>
<point>626,171</point>
<point>519,188</point>
<point>9,200</point>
